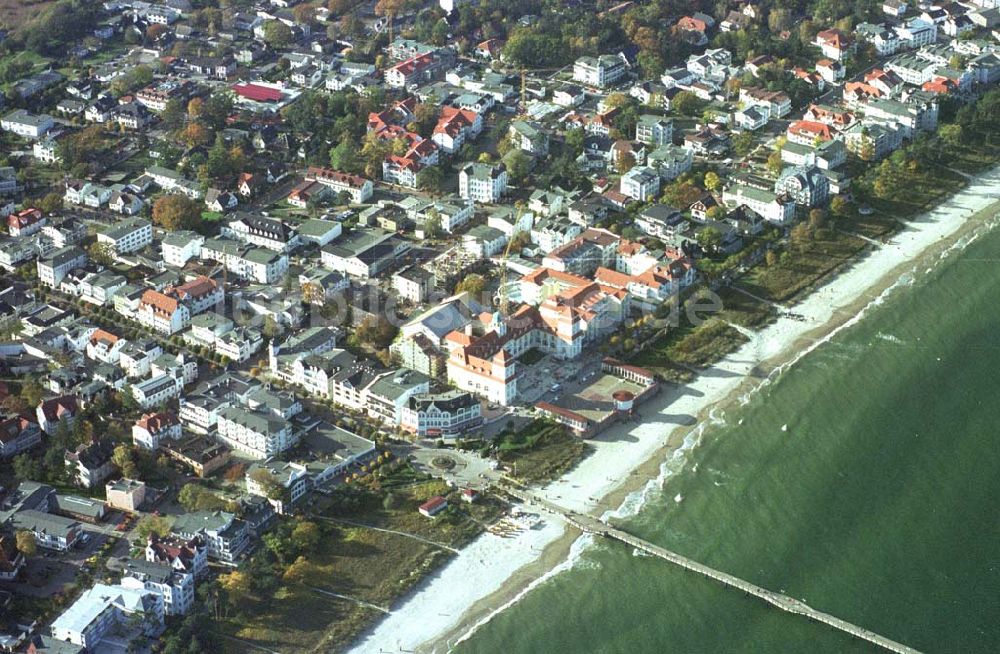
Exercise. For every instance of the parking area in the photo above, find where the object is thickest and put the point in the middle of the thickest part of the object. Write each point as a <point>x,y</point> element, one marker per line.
<point>550,378</point>
<point>51,571</point>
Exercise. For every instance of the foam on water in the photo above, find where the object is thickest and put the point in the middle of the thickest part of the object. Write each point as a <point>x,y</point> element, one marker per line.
<point>576,552</point>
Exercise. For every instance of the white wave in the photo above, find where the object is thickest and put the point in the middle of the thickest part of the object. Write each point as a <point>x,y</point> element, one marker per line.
<point>891,338</point>
<point>576,552</point>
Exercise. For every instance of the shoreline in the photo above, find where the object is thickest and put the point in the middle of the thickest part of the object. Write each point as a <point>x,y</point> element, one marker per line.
<point>632,460</point>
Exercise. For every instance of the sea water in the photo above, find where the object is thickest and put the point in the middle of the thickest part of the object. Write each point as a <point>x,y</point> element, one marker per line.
<point>878,503</point>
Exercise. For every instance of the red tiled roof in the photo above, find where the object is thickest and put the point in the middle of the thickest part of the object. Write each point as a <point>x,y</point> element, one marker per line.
<point>257,93</point>
<point>156,422</point>
<point>197,287</point>
<point>158,301</point>
<point>101,335</point>
<point>320,174</point>
<point>57,407</point>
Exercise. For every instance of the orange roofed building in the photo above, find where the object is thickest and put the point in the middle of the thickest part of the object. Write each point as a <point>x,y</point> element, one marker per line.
<point>571,312</point>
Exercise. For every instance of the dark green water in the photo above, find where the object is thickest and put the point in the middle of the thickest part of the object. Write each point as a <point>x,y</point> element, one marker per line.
<point>879,505</point>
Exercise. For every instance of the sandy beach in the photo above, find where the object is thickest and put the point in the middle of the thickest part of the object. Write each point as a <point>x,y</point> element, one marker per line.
<point>632,460</point>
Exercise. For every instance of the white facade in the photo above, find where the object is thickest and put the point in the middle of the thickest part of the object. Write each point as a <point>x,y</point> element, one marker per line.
<point>598,71</point>
<point>128,236</point>
<point>641,183</point>
<point>26,124</point>
<point>482,183</point>
<point>103,608</point>
<point>156,390</point>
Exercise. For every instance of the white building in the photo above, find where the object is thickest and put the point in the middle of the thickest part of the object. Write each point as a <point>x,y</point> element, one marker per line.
<point>359,188</point>
<point>53,268</point>
<point>598,71</point>
<point>177,248</point>
<point>484,183</point>
<point>774,208</point>
<point>916,33</point>
<point>162,313</point>
<point>654,130</point>
<point>103,608</point>
<point>153,428</point>
<point>128,236</point>
<point>642,183</point>
<point>26,124</point>
<point>441,415</point>
<point>176,588</point>
<point>157,390</point>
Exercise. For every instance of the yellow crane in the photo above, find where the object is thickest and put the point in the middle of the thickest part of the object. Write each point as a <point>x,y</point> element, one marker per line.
<point>503,295</point>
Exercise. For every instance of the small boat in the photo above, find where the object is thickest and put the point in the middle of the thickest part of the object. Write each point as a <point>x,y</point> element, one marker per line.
<point>678,498</point>
<point>784,427</point>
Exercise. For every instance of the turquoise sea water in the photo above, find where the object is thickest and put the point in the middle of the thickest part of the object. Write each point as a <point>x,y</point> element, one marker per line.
<point>878,505</point>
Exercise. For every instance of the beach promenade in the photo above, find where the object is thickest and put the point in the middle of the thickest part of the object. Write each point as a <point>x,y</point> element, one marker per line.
<point>591,525</point>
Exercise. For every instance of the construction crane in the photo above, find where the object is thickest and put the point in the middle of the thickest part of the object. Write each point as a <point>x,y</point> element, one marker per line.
<point>503,296</point>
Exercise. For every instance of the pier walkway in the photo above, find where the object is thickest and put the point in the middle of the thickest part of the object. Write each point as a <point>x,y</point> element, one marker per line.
<point>591,525</point>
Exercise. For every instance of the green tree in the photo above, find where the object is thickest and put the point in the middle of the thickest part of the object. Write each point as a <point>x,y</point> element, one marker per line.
<point>431,180</point>
<point>152,525</point>
<point>26,544</point>
<point>709,238</point>
<point>124,458</point>
<point>518,166</point>
<point>306,536</point>
<point>175,211</point>
<point>951,134</point>
<point>712,181</point>
<point>344,156</point>
<point>686,103</point>
<point>101,253</point>
<point>277,34</point>
<point>473,284</point>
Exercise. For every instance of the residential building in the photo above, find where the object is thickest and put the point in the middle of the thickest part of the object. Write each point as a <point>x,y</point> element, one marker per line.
<point>125,494</point>
<point>153,428</point>
<point>103,608</point>
<point>529,136</point>
<point>601,71</point>
<point>188,555</point>
<point>127,236</point>
<point>163,313</point>
<point>25,222</point>
<point>654,130</point>
<point>53,268</point>
<point>642,183</point>
<point>226,536</point>
<point>414,284</point>
<point>774,208</point>
<point>18,433</point>
<point>806,186</point>
<point>835,44</point>
<point>484,183</point>
<point>282,483</point>
<point>483,241</point>
<point>156,390</point>
<point>364,253</point>
<point>175,587</point>
<point>91,463</point>
<point>26,124</point>
<point>778,103</point>
<point>51,412</point>
<point>387,396</point>
<point>51,532</point>
<point>358,188</point>
<point>441,415</point>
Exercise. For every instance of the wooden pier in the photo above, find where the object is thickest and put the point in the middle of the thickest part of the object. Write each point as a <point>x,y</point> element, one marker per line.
<point>592,525</point>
